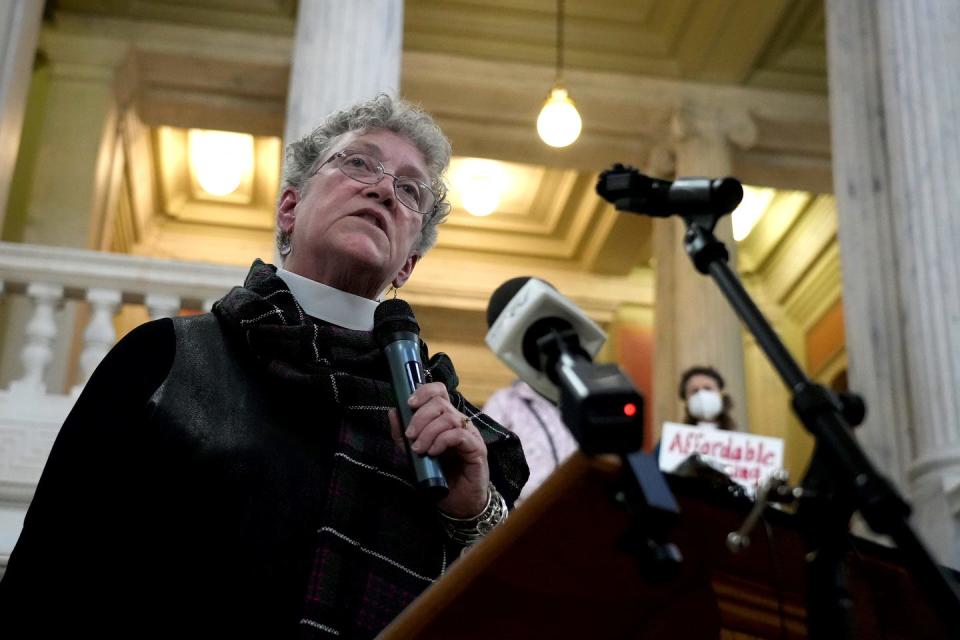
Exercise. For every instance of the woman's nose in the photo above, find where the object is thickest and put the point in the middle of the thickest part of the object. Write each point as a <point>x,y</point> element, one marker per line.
<point>382,191</point>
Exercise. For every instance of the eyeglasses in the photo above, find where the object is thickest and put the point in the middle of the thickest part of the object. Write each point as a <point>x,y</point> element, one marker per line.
<point>411,193</point>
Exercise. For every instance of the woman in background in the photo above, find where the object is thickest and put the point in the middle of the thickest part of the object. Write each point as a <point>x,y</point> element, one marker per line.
<point>704,402</point>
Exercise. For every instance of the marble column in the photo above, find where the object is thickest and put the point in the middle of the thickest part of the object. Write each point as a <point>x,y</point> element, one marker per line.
<point>344,51</point>
<point>895,103</point>
<point>75,148</point>
<point>694,323</point>
<point>19,26</point>
<point>71,182</point>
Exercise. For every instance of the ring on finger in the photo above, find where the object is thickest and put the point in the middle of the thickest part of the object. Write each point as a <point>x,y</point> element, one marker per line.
<point>464,421</point>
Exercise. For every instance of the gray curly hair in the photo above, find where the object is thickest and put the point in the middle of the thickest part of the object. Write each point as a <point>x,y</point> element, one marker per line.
<point>381,112</point>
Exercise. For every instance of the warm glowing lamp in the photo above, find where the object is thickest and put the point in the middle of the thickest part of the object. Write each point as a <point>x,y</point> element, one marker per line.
<point>479,200</point>
<point>480,185</point>
<point>220,159</point>
<point>756,201</point>
<point>559,123</point>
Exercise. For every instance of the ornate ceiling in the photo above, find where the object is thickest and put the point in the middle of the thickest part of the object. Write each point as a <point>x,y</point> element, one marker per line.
<point>483,68</point>
<point>762,43</point>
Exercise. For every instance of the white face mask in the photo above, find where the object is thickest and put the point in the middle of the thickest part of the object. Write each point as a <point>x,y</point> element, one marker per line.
<point>705,404</point>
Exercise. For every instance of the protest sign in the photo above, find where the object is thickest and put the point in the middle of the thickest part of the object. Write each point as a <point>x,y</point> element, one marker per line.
<point>745,457</point>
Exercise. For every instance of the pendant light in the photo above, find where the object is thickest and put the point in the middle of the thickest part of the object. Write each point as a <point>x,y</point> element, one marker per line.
<point>559,124</point>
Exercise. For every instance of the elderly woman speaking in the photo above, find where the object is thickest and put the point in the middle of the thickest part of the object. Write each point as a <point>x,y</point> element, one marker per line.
<point>242,473</point>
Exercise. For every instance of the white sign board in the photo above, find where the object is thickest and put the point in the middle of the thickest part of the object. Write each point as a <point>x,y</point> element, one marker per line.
<point>748,459</point>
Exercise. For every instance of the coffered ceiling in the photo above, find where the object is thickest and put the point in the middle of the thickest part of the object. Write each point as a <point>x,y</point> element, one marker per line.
<point>637,69</point>
<point>483,68</point>
<point>768,43</point>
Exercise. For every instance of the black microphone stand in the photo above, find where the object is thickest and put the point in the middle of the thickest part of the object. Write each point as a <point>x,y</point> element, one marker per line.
<point>841,478</point>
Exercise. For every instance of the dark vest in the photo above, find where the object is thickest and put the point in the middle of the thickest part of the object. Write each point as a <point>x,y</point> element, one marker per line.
<point>281,489</point>
<point>234,476</point>
<point>246,489</point>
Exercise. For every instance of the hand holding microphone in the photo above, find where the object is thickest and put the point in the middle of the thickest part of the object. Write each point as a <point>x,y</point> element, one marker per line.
<point>430,425</point>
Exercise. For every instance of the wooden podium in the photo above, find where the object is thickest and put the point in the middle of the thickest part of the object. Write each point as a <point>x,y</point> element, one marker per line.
<point>557,569</point>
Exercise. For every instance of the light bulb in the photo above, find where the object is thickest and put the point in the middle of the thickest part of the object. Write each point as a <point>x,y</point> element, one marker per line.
<point>756,201</point>
<point>559,123</point>
<point>479,184</point>
<point>220,159</point>
<point>481,197</point>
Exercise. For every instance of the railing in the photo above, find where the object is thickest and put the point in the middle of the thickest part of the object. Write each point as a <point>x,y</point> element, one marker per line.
<point>46,278</point>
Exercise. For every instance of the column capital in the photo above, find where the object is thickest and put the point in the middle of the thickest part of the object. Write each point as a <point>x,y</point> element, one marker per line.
<point>661,161</point>
<point>713,125</point>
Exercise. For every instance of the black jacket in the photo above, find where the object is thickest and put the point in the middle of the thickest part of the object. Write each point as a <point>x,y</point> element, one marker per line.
<point>134,531</point>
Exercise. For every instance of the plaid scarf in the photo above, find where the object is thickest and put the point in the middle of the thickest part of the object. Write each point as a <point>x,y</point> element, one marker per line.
<point>379,543</point>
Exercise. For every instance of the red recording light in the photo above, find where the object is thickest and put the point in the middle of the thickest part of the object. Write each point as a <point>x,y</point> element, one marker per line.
<point>629,409</point>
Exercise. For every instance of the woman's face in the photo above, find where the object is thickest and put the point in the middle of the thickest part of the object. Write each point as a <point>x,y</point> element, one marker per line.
<point>353,236</point>
<point>697,382</point>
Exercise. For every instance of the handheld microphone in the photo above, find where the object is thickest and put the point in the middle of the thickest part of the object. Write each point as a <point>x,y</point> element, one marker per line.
<point>519,313</point>
<point>396,330</point>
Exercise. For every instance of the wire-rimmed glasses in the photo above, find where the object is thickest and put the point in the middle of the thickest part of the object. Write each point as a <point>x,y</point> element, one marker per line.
<point>410,192</point>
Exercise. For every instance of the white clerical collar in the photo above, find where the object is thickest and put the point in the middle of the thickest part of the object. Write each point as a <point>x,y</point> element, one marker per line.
<point>328,304</point>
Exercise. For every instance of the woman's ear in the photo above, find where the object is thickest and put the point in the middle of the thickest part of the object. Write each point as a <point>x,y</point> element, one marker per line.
<point>286,209</point>
<point>406,270</point>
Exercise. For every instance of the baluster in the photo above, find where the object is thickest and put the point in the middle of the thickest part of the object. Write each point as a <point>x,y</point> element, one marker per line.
<point>162,305</point>
<point>100,334</point>
<point>40,333</point>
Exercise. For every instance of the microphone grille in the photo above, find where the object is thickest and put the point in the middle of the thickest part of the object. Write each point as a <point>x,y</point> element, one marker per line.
<point>503,295</point>
<point>392,316</point>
